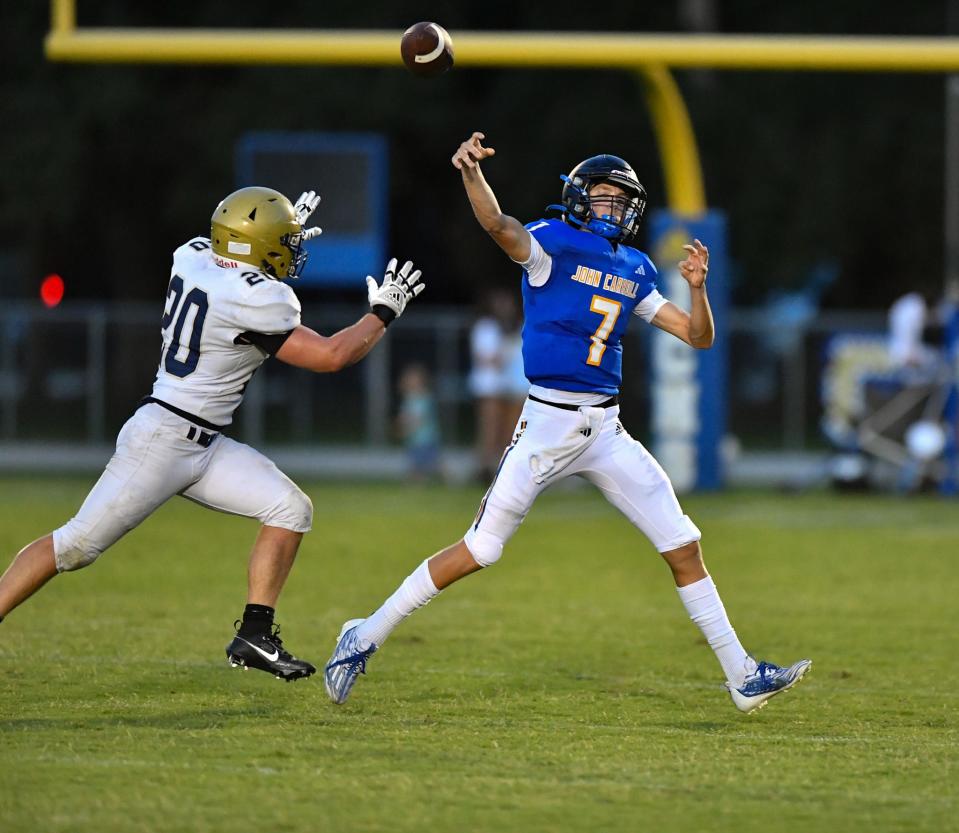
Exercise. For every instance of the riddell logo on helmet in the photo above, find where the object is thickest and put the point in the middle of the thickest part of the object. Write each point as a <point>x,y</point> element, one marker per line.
<point>226,264</point>
<point>621,173</point>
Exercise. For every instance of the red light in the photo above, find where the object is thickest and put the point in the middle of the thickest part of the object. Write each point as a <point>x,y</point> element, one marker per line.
<point>51,290</point>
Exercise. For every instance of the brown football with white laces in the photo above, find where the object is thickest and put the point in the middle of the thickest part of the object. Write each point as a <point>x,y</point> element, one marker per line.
<point>427,49</point>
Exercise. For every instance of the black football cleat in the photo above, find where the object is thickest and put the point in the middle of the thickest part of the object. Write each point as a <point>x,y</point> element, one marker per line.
<point>265,652</point>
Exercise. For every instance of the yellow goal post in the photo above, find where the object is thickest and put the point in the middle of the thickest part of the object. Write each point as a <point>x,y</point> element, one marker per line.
<point>649,55</point>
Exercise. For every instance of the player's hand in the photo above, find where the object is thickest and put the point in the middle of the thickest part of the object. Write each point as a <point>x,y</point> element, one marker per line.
<point>303,208</point>
<point>471,152</point>
<point>694,268</point>
<point>397,289</point>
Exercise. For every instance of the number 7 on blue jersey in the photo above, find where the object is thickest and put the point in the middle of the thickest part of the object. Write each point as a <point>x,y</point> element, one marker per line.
<point>610,311</point>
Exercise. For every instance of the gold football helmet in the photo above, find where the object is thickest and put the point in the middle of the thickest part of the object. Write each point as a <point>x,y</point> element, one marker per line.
<point>259,226</point>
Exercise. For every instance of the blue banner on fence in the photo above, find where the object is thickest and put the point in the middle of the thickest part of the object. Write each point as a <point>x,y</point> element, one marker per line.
<point>350,172</point>
<point>689,392</point>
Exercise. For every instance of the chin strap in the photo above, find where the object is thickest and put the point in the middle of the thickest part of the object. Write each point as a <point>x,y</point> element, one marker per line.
<point>560,208</point>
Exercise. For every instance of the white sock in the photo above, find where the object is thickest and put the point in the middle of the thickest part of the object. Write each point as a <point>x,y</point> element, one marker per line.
<point>413,593</point>
<point>706,609</point>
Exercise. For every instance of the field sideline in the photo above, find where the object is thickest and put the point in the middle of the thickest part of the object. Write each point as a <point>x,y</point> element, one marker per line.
<point>564,689</point>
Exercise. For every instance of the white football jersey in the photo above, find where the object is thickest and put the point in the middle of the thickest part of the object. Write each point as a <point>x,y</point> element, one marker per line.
<point>203,371</point>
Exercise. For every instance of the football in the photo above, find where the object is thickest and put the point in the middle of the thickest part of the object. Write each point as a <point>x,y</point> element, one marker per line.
<point>427,49</point>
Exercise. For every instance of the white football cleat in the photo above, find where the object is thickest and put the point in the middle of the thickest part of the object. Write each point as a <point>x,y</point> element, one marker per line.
<point>766,682</point>
<point>347,662</point>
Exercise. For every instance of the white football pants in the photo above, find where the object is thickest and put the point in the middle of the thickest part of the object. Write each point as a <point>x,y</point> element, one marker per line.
<point>158,456</point>
<point>552,444</point>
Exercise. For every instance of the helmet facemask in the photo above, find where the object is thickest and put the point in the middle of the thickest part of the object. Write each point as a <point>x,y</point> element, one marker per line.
<point>295,255</point>
<point>614,217</point>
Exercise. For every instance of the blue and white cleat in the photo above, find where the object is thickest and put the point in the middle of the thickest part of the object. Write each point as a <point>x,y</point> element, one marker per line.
<point>767,681</point>
<point>347,662</point>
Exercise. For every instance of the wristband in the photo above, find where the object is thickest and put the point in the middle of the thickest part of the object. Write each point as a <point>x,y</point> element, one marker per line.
<point>384,313</point>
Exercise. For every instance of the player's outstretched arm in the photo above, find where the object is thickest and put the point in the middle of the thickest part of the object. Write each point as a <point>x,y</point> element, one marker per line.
<point>326,354</point>
<point>508,232</point>
<point>696,326</point>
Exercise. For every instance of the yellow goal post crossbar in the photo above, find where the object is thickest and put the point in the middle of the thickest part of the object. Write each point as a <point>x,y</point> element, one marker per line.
<point>648,54</point>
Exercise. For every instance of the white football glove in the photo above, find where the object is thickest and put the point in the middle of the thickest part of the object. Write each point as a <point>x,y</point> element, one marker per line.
<point>303,208</point>
<point>396,291</point>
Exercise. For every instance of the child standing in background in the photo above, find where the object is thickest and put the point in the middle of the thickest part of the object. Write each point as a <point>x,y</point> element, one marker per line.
<point>417,423</point>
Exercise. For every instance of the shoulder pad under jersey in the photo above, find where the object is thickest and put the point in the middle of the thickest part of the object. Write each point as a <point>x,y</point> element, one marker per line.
<point>268,306</point>
<point>553,235</point>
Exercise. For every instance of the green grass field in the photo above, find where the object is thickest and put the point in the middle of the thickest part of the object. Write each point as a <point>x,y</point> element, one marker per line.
<point>564,689</point>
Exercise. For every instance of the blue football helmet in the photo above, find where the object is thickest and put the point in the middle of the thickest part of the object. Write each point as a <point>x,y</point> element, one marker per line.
<point>620,226</point>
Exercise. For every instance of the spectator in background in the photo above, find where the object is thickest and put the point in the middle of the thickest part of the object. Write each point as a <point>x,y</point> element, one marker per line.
<point>514,386</point>
<point>497,381</point>
<point>907,320</point>
<point>417,423</point>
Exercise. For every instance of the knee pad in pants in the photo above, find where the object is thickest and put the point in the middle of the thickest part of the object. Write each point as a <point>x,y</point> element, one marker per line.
<point>294,512</point>
<point>485,547</point>
<point>73,549</point>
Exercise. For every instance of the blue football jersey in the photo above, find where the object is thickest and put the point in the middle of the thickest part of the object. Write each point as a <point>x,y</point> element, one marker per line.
<point>574,322</point>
